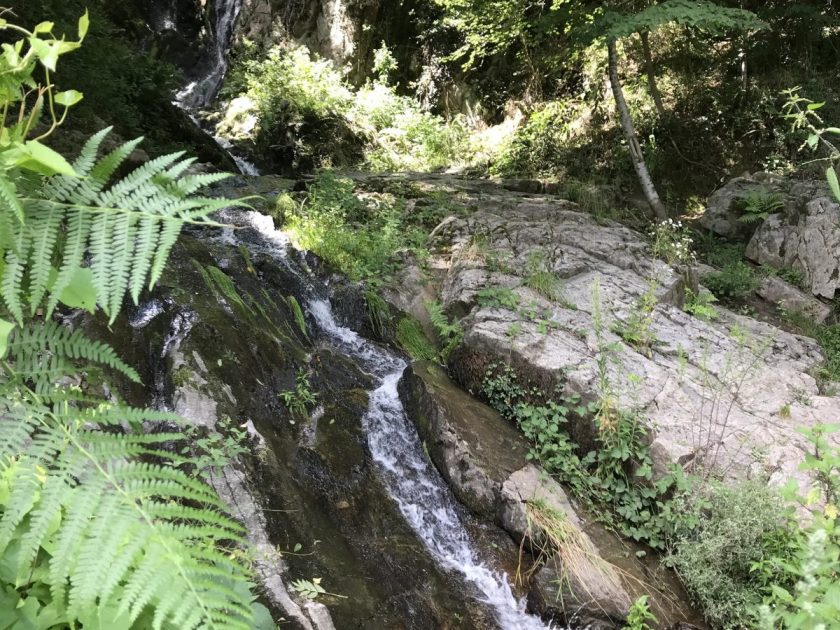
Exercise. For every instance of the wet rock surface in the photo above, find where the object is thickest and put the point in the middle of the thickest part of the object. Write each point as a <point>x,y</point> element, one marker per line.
<point>484,459</point>
<point>218,342</point>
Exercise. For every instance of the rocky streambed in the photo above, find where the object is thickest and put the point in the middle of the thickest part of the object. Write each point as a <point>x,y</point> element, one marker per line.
<point>406,496</point>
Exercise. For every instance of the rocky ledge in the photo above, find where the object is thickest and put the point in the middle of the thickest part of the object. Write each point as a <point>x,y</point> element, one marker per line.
<point>590,583</point>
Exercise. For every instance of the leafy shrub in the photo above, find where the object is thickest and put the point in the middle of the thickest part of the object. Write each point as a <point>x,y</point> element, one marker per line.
<point>539,146</point>
<point>700,305</point>
<point>735,281</point>
<point>829,339</point>
<point>304,100</point>
<point>740,527</point>
<point>804,591</point>
<point>614,477</point>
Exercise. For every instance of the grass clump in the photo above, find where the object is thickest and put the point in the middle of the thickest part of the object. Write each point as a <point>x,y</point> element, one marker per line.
<point>413,340</point>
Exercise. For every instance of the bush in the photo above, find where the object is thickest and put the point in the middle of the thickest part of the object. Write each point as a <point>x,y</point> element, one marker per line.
<point>304,104</point>
<point>740,528</point>
<point>734,281</point>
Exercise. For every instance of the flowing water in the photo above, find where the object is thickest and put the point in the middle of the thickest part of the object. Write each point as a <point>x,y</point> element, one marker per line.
<point>422,496</point>
<point>418,489</point>
<point>201,92</point>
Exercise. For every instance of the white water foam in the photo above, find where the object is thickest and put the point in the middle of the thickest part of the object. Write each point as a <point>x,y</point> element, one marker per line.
<point>423,498</point>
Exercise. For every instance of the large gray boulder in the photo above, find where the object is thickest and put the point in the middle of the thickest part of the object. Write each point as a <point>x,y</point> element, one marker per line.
<point>724,396</point>
<point>807,240</point>
<point>803,235</point>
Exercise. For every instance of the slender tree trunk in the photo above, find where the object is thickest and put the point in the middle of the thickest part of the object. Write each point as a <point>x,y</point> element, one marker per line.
<point>650,70</point>
<point>636,155</point>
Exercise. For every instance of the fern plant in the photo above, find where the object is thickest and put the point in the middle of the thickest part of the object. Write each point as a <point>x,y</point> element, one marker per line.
<point>98,526</point>
<point>450,333</point>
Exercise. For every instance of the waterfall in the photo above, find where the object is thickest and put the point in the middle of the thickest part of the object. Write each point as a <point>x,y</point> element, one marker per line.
<point>422,496</point>
<point>201,92</point>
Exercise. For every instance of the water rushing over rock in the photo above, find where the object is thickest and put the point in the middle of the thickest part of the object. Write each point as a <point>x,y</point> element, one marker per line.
<point>201,92</point>
<point>422,496</point>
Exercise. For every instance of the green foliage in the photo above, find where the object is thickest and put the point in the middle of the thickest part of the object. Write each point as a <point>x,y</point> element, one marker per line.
<point>449,333</point>
<point>614,477</point>
<point>803,116</point>
<point>297,313</point>
<point>297,93</point>
<point>700,15</point>
<point>358,237</point>
<point>98,527</point>
<point>829,339</point>
<point>126,228</point>
<point>740,528</point>
<point>299,399</point>
<point>639,617</point>
<point>411,338</point>
<point>700,305</point>
<point>672,242</point>
<point>209,452</point>
<point>498,297</point>
<point>735,281</point>
<point>539,147</point>
<point>542,279</point>
<point>758,205</point>
<point>637,328</point>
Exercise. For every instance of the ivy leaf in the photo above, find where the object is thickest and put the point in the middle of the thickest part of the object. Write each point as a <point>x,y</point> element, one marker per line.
<point>80,293</point>
<point>5,330</point>
<point>68,98</point>
<point>34,156</point>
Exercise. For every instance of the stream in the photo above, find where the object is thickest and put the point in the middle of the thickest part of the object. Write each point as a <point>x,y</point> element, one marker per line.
<point>420,493</point>
<point>422,496</point>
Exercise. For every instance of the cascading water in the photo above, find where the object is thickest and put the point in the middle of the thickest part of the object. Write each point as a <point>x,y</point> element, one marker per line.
<point>421,495</point>
<point>201,92</point>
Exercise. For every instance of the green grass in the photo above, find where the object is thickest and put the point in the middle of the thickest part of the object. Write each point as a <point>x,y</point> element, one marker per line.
<point>411,338</point>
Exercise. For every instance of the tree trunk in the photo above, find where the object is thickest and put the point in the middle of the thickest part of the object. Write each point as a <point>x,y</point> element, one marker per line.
<point>636,155</point>
<point>651,74</point>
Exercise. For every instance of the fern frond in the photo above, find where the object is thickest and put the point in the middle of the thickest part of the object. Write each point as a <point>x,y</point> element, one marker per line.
<point>81,493</point>
<point>126,228</point>
<point>38,351</point>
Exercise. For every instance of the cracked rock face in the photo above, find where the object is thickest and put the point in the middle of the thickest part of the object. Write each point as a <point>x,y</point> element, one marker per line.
<point>725,396</point>
<point>801,233</point>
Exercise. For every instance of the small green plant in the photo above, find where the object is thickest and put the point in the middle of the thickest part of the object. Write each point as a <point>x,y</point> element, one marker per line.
<point>514,330</point>
<point>637,329</point>
<point>498,297</point>
<point>758,205</point>
<point>541,279</point>
<point>311,589</point>
<point>735,281</point>
<point>299,399</point>
<point>450,333</point>
<point>672,242</point>
<point>700,305</point>
<point>413,340</point>
<point>209,452</point>
<point>640,617</point>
